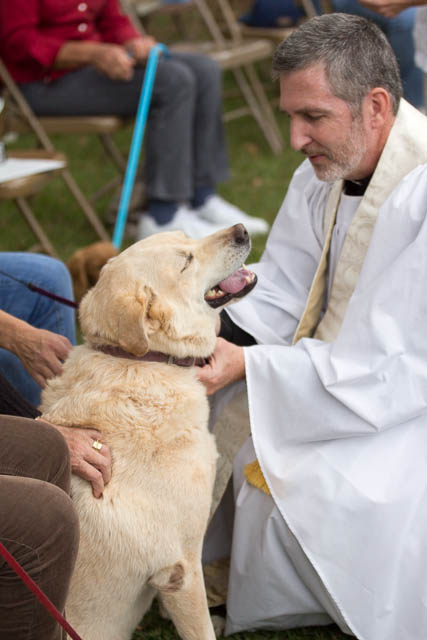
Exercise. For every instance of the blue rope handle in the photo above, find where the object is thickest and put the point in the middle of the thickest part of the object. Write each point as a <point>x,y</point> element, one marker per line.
<point>135,147</point>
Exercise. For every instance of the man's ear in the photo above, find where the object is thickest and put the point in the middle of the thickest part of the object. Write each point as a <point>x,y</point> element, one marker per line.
<point>378,105</point>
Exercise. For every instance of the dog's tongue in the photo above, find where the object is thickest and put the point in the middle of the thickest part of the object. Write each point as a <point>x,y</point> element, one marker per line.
<point>234,283</point>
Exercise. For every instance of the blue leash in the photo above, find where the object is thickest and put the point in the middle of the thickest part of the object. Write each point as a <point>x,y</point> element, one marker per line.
<point>135,147</point>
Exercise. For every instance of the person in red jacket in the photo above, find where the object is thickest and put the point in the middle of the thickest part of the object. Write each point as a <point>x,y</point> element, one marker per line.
<point>86,58</point>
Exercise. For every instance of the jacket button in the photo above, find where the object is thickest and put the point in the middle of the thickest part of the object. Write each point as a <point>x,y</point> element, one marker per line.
<point>82,6</point>
<point>82,27</point>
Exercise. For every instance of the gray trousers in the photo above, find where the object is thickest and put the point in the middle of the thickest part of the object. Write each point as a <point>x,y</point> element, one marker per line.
<point>185,140</point>
<point>38,526</point>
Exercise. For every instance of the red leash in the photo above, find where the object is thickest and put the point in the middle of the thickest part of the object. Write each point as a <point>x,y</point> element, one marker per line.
<point>48,605</point>
<point>42,292</point>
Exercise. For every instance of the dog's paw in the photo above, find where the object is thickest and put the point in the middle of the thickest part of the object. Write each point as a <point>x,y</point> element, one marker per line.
<point>218,623</point>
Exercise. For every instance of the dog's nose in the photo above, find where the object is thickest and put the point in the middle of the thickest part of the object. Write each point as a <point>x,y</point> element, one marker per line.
<point>241,236</point>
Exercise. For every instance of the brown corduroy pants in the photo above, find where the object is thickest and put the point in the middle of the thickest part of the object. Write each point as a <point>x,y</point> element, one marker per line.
<point>38,526</point>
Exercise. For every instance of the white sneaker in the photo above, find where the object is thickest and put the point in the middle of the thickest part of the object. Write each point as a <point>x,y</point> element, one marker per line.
<point>218,211</point>
<point>185,219</point>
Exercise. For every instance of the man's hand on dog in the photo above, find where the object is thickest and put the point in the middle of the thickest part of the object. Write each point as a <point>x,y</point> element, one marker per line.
<point>226,365</point>
<point>91,464</point>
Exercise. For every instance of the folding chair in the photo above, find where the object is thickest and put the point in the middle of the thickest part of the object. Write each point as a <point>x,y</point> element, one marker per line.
<point>276,34</point>
<point>20,118</point>
<point>21,189</point>
<point>232,53</point>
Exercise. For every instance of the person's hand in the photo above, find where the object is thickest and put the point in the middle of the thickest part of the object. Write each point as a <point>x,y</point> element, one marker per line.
<point>226,365</point>
<point>93,465</point>
<point>140,48</point>
<point>387,8</point>
<point>41,352</point>
<point>113,60</point>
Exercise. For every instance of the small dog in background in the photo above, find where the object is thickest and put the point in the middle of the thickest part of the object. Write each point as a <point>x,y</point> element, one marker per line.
<point>85,266</point>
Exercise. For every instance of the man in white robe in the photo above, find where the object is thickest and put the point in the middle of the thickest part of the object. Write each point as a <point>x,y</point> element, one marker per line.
<point>330,522</point>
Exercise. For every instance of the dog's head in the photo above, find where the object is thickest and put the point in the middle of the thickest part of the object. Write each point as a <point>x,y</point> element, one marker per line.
<point>164,293</point>
<point>85,266</point>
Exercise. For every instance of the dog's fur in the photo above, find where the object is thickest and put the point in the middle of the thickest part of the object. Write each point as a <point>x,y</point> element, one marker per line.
<point>85,266</point>
<point>144,537</point>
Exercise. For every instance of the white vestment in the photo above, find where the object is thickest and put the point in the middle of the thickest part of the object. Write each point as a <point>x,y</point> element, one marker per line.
<point>339,425</point>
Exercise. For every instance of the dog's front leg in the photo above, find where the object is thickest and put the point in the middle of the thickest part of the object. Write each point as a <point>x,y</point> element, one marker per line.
<point>187,605</point>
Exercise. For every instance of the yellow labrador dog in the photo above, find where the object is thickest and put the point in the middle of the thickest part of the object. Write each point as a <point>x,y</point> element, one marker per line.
<point>146,323</point>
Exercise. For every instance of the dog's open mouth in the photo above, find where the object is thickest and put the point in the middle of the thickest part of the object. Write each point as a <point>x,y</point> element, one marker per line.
<point>237,285</point>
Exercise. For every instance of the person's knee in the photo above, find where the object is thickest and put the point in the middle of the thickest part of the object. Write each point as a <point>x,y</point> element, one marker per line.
<point>34,449</point>
<point>177,82</point>
<point>59,277</point>
<point>42,270</point>
<point>205,71</point>
<point>209,69</point>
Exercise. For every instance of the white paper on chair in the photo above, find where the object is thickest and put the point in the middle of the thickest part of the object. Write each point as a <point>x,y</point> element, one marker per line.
<point>13,168</point>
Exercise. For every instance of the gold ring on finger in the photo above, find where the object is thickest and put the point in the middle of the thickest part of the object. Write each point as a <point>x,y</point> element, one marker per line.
<point>96,444</point>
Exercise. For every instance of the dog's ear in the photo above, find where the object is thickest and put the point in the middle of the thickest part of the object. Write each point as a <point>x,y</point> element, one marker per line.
<point>131,315</point>
<point>159,314</point>
<point>118,318</point>
<point>77,268</point>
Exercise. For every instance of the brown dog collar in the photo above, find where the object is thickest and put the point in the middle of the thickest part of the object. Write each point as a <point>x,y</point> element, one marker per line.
<point>151,356</point>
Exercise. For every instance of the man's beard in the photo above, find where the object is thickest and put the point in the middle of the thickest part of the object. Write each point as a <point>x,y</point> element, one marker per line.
<point>341,160</point>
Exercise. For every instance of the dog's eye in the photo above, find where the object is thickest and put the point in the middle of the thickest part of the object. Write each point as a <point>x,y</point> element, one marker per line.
<point>188,260</point>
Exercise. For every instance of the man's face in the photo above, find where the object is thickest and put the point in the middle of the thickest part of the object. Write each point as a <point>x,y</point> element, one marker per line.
<point>322,126</point>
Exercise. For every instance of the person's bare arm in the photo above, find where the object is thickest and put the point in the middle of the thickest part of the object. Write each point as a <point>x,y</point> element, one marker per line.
<point>41,352</point>
<point>390,8</point>
<point>110,59</point>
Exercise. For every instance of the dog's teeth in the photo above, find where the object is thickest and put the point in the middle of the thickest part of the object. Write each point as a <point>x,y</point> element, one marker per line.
<point>214,293</point>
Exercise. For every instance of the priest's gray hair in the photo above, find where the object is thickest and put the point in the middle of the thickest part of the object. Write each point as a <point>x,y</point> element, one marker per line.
<point>355,53</point>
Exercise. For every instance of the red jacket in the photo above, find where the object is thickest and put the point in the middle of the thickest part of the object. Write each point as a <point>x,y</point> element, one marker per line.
<point>33,31</point>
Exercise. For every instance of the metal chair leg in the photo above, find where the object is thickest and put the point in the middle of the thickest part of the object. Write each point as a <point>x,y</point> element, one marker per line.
<point>26,211</point>
<point>266,106</point>
<point>264,125</point>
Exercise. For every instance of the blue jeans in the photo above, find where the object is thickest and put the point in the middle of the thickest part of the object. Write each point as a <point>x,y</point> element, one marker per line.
<point>399,33</point>
<point>37,310</point>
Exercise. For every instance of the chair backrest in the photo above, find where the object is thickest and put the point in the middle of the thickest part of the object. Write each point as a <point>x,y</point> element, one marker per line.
<point>21,107</point>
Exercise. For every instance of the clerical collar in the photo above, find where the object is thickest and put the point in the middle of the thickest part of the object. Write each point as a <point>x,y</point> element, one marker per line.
<point>356,187</point>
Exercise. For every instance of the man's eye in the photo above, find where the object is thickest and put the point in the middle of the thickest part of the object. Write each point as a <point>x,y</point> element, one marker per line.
<point>313,117</point>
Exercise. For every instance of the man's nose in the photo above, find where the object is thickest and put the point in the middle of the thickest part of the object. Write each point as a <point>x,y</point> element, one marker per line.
<point>299,135</point>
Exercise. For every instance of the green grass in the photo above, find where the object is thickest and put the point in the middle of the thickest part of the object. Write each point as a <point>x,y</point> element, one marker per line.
<point>153,627</point>
<point>258,185</point>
